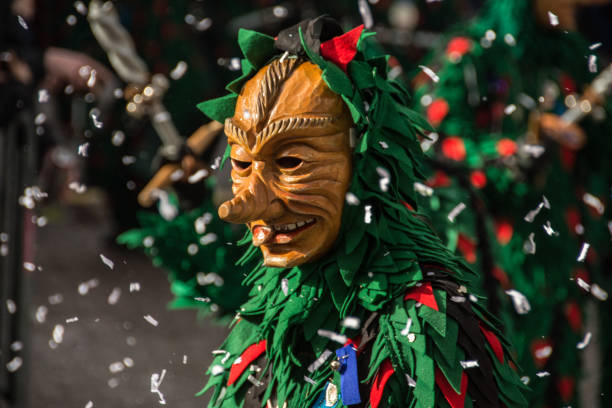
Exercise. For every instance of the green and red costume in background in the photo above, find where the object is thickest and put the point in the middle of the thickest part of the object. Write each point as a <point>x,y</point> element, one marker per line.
<point>424,338</point>
<point>493,73</point>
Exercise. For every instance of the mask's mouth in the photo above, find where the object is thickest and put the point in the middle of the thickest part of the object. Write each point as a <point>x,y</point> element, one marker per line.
<point>279,233</point>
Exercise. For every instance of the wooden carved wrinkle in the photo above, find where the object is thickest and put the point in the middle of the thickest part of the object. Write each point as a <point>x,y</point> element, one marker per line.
<point>278,71</point>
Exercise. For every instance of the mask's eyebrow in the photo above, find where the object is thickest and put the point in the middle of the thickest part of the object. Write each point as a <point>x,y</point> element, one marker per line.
<point>291,123</point>
<point>235,132</point>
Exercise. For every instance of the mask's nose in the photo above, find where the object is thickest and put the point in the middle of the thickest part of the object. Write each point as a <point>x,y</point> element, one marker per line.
<point>254,201</point>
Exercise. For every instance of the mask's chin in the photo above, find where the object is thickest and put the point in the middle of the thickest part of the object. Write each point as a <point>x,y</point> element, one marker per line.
<point>288,260</point>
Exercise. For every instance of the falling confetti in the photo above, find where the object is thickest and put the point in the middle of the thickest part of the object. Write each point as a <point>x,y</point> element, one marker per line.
<point>117,138</point>
<point>519,301</point>
<point>366,13</point>
<point>351,199</point>
<point>594,202</point>
<point>430,73</point>
<point>197,176</point>
<point>351,322</point>
<point>583,252</point>
<point>592,63</point>
<point>542,374</point>
<point>72,320</point>
<point>385,178</point>
<point>83,149</point>
<point>534,151</point>
<point>58,333</point>
<point>107,262</point>
<point>179,70</point>
<point>89,404</point>
<point>368,214</point>
<point>422,189</point>
<point>469,364</point>
<point>529,246</point>
<point>339,338</point>
<point>134,287</point>
<point>411,381</point>
<point>553,19</point>
<point>509,110</point>
<point>113,298</point>
<point>11,306</point>
<point>583,284</point>
<point>599,293</point>
<point>456,211</point>
<point>533,213</point>
<point>77,187</point>
<point>585,342</point>
<point>156,380</point>
<point>549,229</point>
<point>314,366</point>
<point>285,286</point>
<point>14,364</point>
<point>151,320</point>
<point>594,46</point>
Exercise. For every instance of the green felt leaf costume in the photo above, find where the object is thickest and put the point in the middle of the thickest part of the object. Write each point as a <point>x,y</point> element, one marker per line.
<point>421,322</point>
<point>493,73</point>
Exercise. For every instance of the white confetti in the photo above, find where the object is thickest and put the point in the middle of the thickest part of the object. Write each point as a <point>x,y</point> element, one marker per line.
<point>339,338</point>
<point>43,96</point>
<point>89,404</point>
<point>216,163</point>
<point>116,367</point>
<point>598,292</point>
<point>55,299</point>
<point>113,298</point>
<point>519,301</point>
<point>385,178</point>
<point>204,24</point>
<point>429,141</point>
<point>583,252</point>
<point>411,381</point>
<point>423,190</point>
<point>11,306</point>
<point>368,214</point>
<point>179,70</point>
<point>107,261</point>
<point>40,119</point>
<point>192,249</point>
<point>77,187</point>
<point>208,238</point>
<point>543,352</point>
<point>151,320</point>
<point>594,202</point>
<point>314,366</point>
<point>594,46</point>
<point>529,246</point>
<point>72,320</point>
<point>83,149</point>
<point>592,63</point>
<point>167,210</point>
<point>351,322</point>
<point>80,7</point>
<point>553,19</point>
<point>585,341</point>
<point>309,380</point>
<point>456,211</point>
<point>134,287</point>
<point>113,382</point>
<point>285,286</point>
<point>533,213</point>
<point>383,144</point>
<point>202,299</point>
<point>430,73</point>
<point>156,380</point>
<point>351,199</point>
<point>118,138</point>
<point>509,110</point>
<point>510,40</point>
<point>542,374</point>
<point>197,176</point>
<point>14,364</point>
<point>22,22</point>
<point>469,364</point>
<point>534,151</point>
<point>584,285</point>
<point>184,358</point>
<point>16,346</point>
<point>549,229</point>
<point>58,333</point>
<point>29,266</point>
<point>127,160</point>
<point>366,13</point>
<point>406,330</point>
<point>216,370</point>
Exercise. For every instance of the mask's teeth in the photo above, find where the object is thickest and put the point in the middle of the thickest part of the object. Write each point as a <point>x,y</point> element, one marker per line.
<point>300,223</point>
<point>291,227</point>
<point>262,234</point>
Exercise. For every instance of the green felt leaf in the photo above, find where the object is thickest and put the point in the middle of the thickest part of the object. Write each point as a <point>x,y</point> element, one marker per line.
<point>258,48</point>
<point>219,109</point>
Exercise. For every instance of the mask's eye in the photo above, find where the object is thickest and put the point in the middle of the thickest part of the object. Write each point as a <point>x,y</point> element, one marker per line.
<point>240,165</point>
<point>288,163</point>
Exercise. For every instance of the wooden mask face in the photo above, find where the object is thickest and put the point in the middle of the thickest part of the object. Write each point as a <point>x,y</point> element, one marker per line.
<point>291,162</point>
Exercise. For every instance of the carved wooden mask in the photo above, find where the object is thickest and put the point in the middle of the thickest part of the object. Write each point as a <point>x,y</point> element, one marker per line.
<point>291,162</point>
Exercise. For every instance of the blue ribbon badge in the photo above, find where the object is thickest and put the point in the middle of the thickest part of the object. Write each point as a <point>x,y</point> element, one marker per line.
<point>349,380</point>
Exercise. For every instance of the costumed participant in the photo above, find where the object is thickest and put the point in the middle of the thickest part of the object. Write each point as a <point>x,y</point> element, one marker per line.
<point>354,301</point>
<point>521,170</point>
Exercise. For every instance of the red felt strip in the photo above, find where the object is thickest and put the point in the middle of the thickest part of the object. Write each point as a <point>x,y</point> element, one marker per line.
<point>493,342</point>
<point>454,400</point>
<point>423,294</point>
<point>382,376</point>
<point>248,356</point>
<point>342,49</point>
